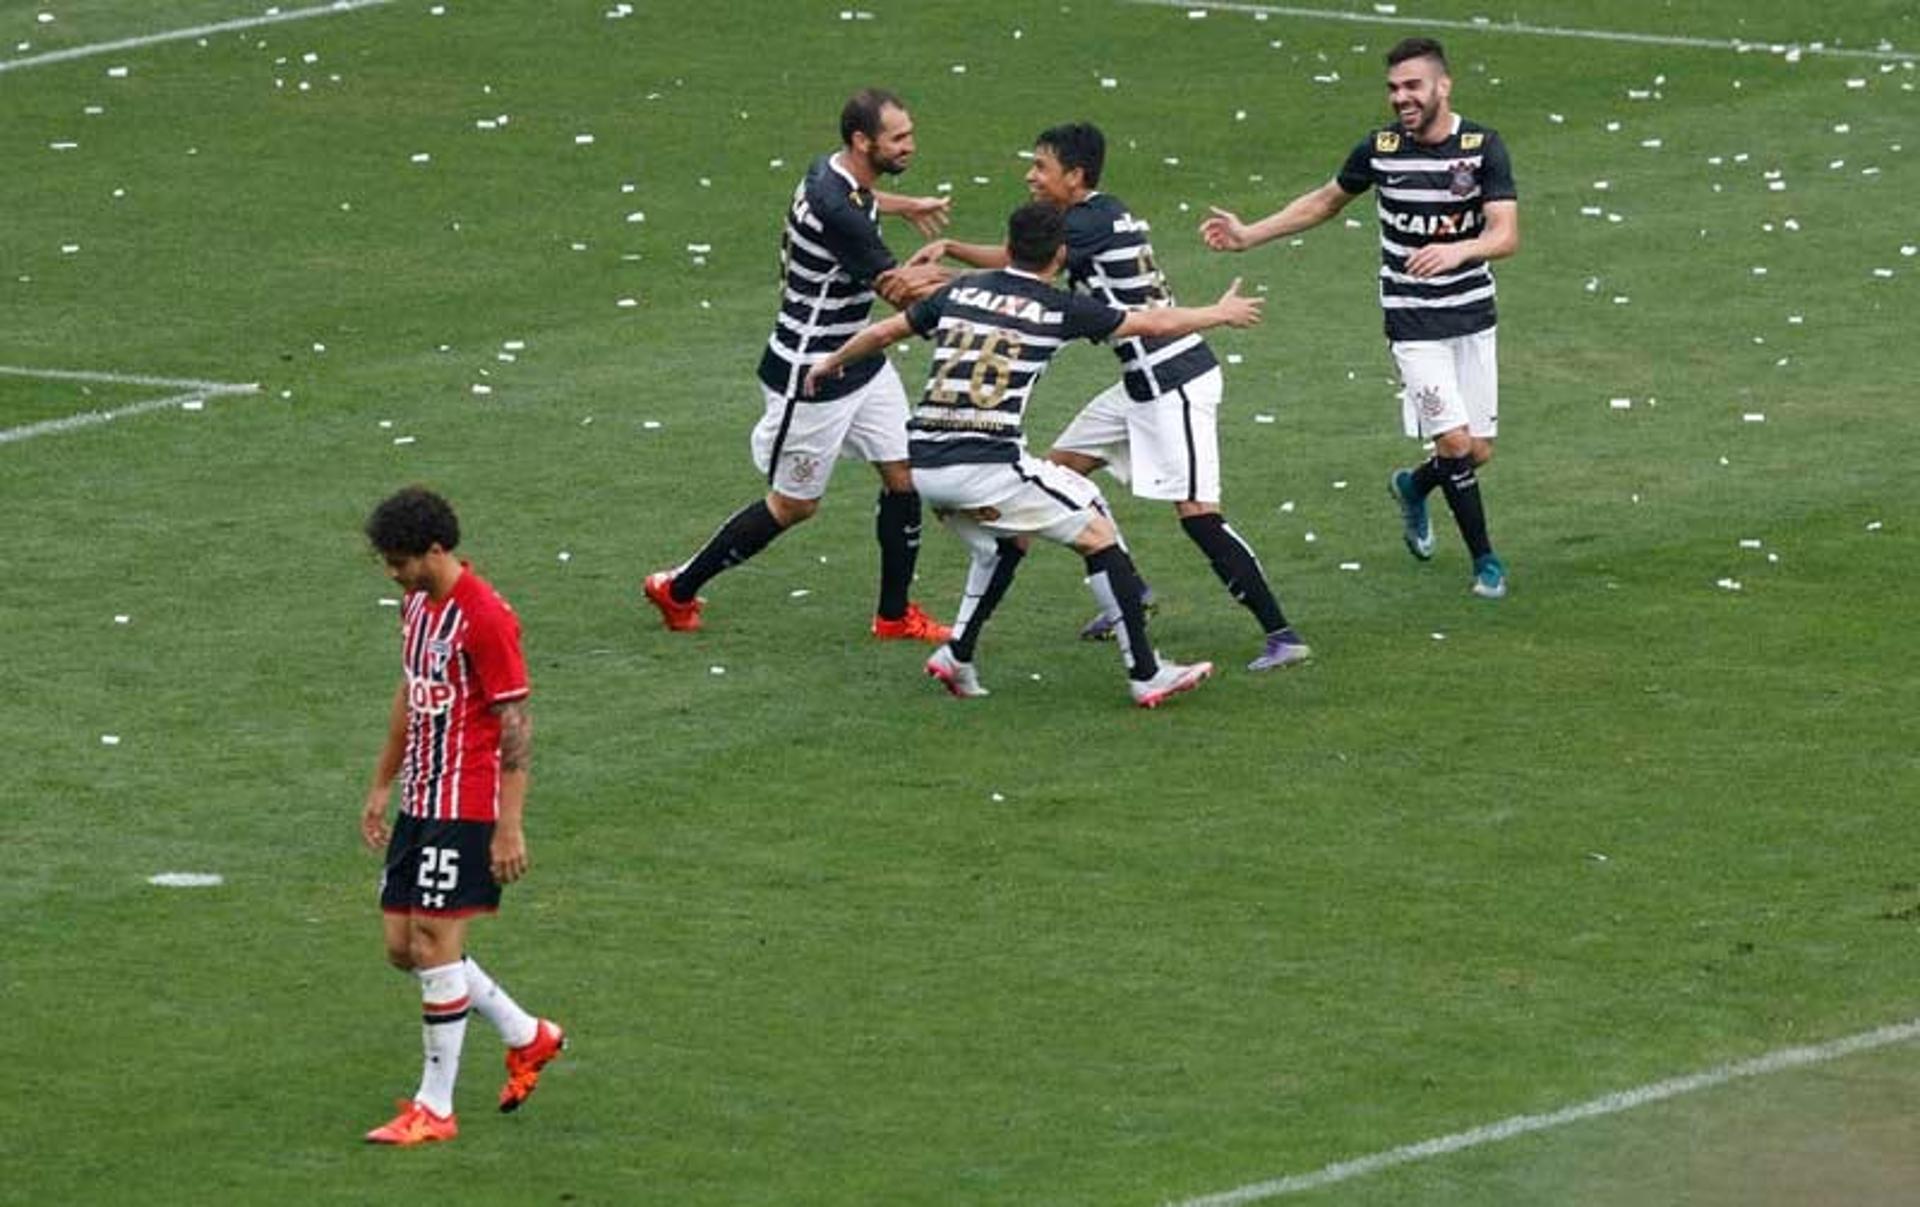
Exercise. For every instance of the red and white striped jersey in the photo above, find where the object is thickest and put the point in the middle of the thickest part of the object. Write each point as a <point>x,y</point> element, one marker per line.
<point>461,657</point>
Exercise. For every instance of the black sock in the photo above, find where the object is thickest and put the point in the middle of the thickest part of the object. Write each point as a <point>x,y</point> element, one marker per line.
<point>750,530</point>
<point>983,597</point>
<point>1426,476</point>
<point>1462,488</point>
<point>1235,564</point>
<point>896,525</point>
<point>1114,580</point>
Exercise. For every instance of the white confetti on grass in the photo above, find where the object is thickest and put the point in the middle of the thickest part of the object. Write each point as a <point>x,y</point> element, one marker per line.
<point>109,739</point>
<point>187,879</point>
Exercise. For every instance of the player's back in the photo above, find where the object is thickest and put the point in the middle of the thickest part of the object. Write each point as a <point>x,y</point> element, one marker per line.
<point>994,333</point>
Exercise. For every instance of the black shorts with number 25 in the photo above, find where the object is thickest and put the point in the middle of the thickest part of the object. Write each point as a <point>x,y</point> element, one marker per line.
<point>439,867</point>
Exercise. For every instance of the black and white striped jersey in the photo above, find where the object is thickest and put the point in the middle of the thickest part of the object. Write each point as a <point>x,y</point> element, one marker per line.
<point>830,253</point>
<point>1432,193</point>
<point>993,334</point>
<point>1110,257</point>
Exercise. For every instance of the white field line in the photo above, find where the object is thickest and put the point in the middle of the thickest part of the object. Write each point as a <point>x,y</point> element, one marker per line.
<point>1541,31</point>
<point>176,35</point>
<point>1521,1125</point>
<point>130,379</point>
<point>49,427</point>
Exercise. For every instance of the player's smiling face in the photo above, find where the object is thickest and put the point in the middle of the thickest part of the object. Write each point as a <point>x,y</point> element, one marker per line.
<point>888,152</point>
<point>1048,181</point>
<point>1417,91</point>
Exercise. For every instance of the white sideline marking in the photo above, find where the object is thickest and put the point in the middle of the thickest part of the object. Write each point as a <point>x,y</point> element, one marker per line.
<point>1543,31</point>
<point>1520,1125</point>
<point>130,379</point>
<point>176,35</point>
<point>48,427</point>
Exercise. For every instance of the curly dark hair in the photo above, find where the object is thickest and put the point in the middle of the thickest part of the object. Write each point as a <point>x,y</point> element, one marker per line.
<point>411,522</point>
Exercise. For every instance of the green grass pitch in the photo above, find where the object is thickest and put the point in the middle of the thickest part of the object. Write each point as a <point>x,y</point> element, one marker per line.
<point>823,935</point>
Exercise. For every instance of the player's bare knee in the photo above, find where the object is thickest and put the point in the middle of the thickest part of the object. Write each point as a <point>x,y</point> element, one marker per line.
<point>1079,463</point>
<point>1097,535</point>
<point>896,477</point>
<point>788,511</point>
<point>1482,451</point>
<point>1456,443</point>
<point>401,955</point>
<point>1188,508</point>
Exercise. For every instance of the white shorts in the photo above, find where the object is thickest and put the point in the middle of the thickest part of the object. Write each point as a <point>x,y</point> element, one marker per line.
<point>1449,383</point>
<point>1168,448</point>
<point>1033,498</point>
<point>796,442</point>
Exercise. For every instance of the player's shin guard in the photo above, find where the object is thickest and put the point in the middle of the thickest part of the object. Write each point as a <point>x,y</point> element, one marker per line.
<point>1462,488</point>
<point>896,525</point>
<point>1117,586</point>
<point>988,578</point>
<point>745,533</point>
<point>1235,564</point>
<point>443,1017</point>
<point>517,1028</point>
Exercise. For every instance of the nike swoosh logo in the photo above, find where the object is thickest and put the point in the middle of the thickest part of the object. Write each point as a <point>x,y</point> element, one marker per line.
<point>1395,179</point>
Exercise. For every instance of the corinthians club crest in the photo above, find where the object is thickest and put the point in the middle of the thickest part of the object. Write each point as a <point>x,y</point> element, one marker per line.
<point>802,469</point>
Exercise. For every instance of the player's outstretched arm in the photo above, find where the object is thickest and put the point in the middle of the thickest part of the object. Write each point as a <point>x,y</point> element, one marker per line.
<point>1224,230</point>
<point>509,850</point>
<point>865,342</point>
<point>1234,309</point>
<point>979,255</point>
<point>373,810</point>
<point>929,215</point>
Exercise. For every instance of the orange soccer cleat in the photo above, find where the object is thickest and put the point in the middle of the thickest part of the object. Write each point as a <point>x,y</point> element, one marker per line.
<point>914,625</point>
<point>524,1064</point>
<point>680,617</point>
<point>415,1124</point>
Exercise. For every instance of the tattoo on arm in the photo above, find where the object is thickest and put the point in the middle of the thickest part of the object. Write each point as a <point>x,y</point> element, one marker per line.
<point>516,736</point>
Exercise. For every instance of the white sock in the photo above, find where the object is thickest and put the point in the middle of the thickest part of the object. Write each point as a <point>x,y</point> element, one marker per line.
<point>1109,605</point>
<point>515,1025</point>
<point>443,1014</point>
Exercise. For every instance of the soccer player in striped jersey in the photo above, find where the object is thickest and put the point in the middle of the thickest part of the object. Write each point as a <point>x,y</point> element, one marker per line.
<point>459,737</point>
<point>1157,428</point>
<point>1447,205</point>
<point>833,265</point>
<point>994,334</point>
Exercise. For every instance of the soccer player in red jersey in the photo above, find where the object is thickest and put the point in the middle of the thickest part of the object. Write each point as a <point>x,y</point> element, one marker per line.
<point>459,737</point>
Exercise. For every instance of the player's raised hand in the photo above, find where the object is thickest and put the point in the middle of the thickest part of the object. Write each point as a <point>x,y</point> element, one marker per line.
<point>1238,310</point>
<point>1224,231</point>
<point>929,215</point>
<point>373,819</point>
